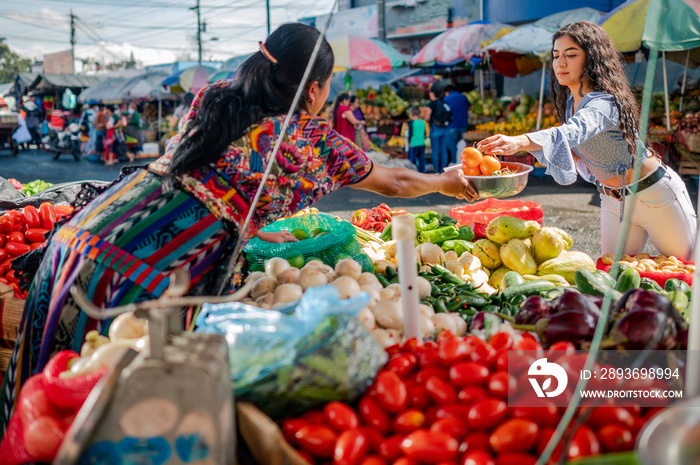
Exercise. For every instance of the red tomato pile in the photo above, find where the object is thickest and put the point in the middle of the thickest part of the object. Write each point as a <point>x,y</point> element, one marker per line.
<point>24,230</point>
<point>446,403</point>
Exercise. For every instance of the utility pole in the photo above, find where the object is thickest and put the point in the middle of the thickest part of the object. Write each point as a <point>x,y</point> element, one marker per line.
<point>381,21</point>
<point>72,38</point>
<point>199,32</point>
<point>267,9</point>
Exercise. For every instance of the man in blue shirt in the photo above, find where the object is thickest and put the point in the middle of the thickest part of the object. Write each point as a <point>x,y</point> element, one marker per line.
<point>460,106</point>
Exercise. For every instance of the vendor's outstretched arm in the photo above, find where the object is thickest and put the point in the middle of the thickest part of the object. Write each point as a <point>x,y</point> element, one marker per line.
<point>403,182</point>
<point>500,144</point>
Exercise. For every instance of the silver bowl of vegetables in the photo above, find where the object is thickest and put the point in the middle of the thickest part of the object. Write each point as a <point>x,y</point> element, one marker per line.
<point>510,180</point>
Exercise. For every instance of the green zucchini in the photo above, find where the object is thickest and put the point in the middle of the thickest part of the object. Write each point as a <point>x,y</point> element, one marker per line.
<point>673,284</point>
<point>616,269</point>
<point>529,288</point>
<point>605,276</point>
<point>628,279</point>
<point>512,278</point>
<point>651,285</point>
<point>680,301</point>
<point>592,284</point>
<point>558,291</point>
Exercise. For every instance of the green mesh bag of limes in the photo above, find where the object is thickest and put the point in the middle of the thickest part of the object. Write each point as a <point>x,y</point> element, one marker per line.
<point>320,236</point>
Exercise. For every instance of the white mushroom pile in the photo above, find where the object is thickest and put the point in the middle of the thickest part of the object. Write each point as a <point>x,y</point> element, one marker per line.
<point>282,284</point>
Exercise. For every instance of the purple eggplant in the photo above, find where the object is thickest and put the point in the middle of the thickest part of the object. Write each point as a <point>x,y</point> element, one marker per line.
<point>477,321</point>
<point>682,338</point>
<point>576,326</point>
<point>532,309</point>
<point>642,298</point>
<point>573,301</point>
<point>637,328</point>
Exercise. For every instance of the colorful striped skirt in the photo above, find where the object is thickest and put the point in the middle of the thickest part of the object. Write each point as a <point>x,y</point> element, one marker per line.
<point>119,249</point>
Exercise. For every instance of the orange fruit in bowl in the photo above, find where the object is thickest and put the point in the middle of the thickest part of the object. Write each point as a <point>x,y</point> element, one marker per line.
<point>471,157</point>
<point>471,170</point>
<point>489,164</point>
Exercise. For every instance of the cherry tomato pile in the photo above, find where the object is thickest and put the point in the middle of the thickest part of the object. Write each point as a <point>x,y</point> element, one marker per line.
<point>24,230</point>
<point>445,403</point>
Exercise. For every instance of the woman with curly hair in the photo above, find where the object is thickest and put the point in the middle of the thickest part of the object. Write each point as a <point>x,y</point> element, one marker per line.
<point>598,139</point>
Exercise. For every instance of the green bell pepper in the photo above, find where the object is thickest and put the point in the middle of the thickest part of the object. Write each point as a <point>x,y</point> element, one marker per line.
<point>440,235</point>
<point>465,233</point>
<point>459,246</point>
<point>446,220</point>
<point>425,225</point>
<point>428,216</point>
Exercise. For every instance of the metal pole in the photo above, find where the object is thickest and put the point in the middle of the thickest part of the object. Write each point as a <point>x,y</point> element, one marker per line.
<point>539,111</point>
<point>72,40</point>
<point>199,34</point>
<point>267,10</point>
<point>685,74</point>
<point>668,113</point>
<point>381,20</point>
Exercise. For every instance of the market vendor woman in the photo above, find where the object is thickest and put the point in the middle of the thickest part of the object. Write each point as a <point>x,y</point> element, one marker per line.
<point>187,209</point>
<point>599,140</point>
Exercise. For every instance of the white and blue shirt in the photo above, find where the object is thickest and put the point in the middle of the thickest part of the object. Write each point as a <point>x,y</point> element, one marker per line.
<point>593,134</point>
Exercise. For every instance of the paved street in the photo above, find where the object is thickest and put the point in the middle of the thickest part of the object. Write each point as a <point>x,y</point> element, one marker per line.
<point>574,208</point>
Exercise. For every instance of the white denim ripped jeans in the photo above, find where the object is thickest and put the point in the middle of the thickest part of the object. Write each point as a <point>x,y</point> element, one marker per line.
<point>662,212</point>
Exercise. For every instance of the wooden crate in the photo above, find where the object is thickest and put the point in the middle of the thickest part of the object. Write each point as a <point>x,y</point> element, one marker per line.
<point>264,438</point>
<point>10,316</point>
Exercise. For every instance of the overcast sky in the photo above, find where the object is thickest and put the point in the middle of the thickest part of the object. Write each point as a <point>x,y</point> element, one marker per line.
<point>157,31</point>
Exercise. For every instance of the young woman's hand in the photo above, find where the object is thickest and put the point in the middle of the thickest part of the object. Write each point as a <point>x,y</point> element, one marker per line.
<point>276,237</point>
<point>500,144</point>
<point>455,185</point>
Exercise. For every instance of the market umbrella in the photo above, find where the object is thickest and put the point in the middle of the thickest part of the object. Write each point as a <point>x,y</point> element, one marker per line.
<point>354,52</point>
<point>221,75</point>
<point>671,26</point>
<point>456,44</point>
<point>143,86</point>
<point>228,69</point>
<point>189,80</point>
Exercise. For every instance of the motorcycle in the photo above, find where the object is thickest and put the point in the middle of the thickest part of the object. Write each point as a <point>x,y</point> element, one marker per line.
<point>60,141</point>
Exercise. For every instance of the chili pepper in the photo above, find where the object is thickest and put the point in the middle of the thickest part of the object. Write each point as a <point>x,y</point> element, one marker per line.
<point>473,299</point>
<point>440,306</point>
<point>384,206</point>
<point>465,233</point>
<point>398,211</point>
<point>360,216</point>
<point>454,305</point>
<point>381,215</point>
<point>440,235</point>
<point>382,279</point>
<point>386,235</point>
<point>447,275</point>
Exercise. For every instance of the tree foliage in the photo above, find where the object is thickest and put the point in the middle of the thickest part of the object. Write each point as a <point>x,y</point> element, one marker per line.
<point>11,63</point>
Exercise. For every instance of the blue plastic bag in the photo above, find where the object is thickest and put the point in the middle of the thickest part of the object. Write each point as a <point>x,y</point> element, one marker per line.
<point>289,363</point>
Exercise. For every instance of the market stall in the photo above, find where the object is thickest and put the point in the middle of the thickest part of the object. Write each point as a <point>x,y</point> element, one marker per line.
<point>330,354</point>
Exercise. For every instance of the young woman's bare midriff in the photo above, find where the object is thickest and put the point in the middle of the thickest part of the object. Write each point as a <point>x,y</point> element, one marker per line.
<point>648,166</point>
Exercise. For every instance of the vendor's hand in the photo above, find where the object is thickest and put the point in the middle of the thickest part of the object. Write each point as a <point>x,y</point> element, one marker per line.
<point>455,185</point>
<point>276,237</point>
<point>500,144</point>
